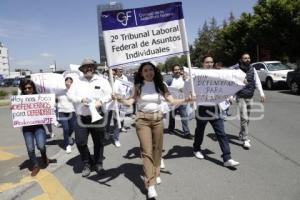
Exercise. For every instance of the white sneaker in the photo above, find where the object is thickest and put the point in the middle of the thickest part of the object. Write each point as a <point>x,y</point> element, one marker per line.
<point>162,164</point>
<point>152,192</point>
<point>69,149</point>
<point>124,130</point>
<point>117,143</point>
<point>52,135</point>
<point>158,180</point>
<point>231,163</point>
<point>198,154</point>
<point>247,144</point>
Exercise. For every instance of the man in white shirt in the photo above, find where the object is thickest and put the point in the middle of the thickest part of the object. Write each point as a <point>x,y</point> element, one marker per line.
<point>88,95</point>
<point>178,82</point>
<point>245,96</point>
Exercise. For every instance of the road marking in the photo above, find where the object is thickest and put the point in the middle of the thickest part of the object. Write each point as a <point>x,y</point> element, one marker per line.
<point>11,147</point>
<point>52,188</point>
<point>6,156</point>
<point>41,197</point>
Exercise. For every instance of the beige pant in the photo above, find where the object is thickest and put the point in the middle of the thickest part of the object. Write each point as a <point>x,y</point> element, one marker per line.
<point>149,128</point>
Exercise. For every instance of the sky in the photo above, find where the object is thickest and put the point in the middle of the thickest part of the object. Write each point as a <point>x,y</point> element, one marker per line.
<point>38,33</point>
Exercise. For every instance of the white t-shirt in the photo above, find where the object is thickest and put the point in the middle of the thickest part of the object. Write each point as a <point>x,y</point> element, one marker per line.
<point>177,83</point>
<point>149,100</point>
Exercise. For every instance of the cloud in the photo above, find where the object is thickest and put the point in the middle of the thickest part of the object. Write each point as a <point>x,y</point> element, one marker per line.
<point>20,29</point>
<point>46,55</point>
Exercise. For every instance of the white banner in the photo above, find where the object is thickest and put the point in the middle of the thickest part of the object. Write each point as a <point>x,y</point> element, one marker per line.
<point>35,109</point>
<point>215,86</point>
<point>53,82</point>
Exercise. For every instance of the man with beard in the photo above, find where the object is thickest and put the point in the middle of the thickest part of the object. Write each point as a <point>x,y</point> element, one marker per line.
<point>89,93</point>
<point>177,82</point>
<point>245,96</point>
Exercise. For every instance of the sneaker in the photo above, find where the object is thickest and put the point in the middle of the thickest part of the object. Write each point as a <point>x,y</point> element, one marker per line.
<point>123,129</point>
<point>86,170</point>
<point>152,192</point>
<point>247,144</point>
<point>162,164</point>
<point>198,154</point>
<point>69,149</point>
<point>158,180</point>
<point>231,163</point>
<point>99,169</point>
<point>117,143</point>
<point>35,170</point>
<point>52,135</point>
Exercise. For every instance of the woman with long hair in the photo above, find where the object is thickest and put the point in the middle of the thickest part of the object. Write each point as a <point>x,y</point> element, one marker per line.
<point>34,133</point>
<point>148,92</point>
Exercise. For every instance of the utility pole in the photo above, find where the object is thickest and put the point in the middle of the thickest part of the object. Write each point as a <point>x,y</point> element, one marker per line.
<point>55,65</point>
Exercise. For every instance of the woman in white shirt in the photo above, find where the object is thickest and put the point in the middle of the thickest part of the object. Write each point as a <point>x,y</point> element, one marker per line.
<point>67,116</point>
<point>148,93</point>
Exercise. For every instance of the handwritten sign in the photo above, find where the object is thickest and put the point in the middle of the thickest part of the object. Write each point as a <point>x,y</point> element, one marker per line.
<point>32,109</point>
<point>215,86</point>
<point>140,34</point>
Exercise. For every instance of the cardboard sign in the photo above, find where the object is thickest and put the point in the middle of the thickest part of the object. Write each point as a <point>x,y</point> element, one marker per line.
<point>34,109</point>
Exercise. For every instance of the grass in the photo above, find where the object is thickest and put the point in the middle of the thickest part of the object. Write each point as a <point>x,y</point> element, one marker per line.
<point>4,102</point>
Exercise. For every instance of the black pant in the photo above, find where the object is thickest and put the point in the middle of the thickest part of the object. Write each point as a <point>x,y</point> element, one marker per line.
<point>202,118</point>
<point>82,130</point>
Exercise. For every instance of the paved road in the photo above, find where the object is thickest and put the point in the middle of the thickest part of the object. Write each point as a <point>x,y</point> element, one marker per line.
<point>269,170</point>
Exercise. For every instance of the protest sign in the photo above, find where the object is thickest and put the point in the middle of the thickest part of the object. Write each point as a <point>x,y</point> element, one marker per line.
<point>215,86</point>
<point>134,35</point>
<point>32,109</point>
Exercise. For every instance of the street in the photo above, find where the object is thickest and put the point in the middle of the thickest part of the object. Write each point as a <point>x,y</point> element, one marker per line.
<point>269,170</point>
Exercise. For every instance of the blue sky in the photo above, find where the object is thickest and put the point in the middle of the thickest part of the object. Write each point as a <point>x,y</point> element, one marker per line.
<point>37,32</point>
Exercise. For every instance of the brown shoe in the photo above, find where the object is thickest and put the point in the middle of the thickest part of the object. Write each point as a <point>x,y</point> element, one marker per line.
<point>35,170</point>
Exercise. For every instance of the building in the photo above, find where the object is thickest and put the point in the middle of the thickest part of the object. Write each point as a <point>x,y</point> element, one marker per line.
<point>4,61</point>
<point>100,9</point>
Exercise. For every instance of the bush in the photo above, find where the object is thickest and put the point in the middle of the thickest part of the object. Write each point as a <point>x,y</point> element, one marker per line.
<point>14,92</point>
<point>3,94</point>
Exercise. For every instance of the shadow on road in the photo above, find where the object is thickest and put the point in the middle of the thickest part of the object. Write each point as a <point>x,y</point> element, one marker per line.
<point>232,139</point>
<point>132,172</point>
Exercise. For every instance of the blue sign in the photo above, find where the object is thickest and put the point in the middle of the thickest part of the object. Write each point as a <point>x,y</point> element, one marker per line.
<point>128,18</point>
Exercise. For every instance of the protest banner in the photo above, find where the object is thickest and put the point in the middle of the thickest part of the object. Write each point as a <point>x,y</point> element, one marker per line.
<point>32,109</point>
<point>46,83</point>
<point>215,86</point>
<point>140,34</point>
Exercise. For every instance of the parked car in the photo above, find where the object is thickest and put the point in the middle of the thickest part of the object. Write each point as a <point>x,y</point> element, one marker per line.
<point>271,73</point>
<point>6,82</point>
<point>293,81</point>
<point>16,82</point>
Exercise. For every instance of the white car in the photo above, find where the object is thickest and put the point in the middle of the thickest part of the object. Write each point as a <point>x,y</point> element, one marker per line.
<point>271,73</point>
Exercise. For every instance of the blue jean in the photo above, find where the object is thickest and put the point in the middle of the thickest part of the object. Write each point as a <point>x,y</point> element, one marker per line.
<point>218,125</point>
<point>117,130</point>
<point>184,119</point>
<point>39,134</point>
<point>67,121</point>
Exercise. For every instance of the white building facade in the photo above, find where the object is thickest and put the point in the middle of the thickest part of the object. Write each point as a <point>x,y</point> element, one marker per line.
<point>4,61</point>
